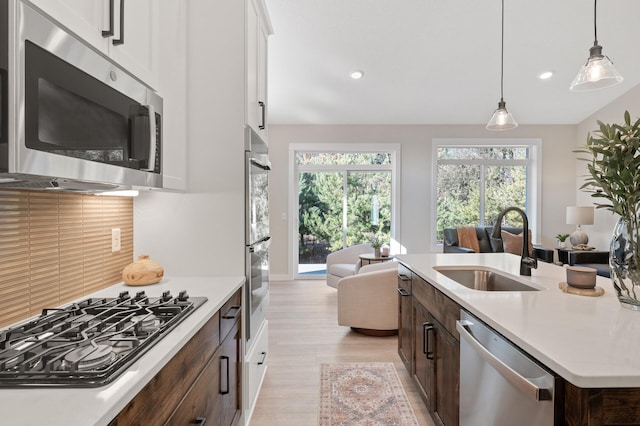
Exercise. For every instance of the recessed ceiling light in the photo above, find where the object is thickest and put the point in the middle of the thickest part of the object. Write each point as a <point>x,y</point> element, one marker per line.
<point>546,75</point>
<point>357,74</point>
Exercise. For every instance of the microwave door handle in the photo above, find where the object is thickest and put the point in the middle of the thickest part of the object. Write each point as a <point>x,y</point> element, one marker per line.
<point>151,164</point>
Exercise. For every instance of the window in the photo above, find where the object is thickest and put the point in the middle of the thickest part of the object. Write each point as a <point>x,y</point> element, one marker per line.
<point>476,179</point>
<point>344,196</point>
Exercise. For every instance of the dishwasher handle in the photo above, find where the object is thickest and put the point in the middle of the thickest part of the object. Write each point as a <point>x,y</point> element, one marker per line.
<point>524,384</point>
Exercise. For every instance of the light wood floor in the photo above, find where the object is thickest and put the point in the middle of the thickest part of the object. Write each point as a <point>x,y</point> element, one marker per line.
<point>303,333</point>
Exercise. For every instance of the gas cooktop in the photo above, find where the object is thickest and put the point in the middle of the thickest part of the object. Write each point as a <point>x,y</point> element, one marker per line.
<point>89,343</point>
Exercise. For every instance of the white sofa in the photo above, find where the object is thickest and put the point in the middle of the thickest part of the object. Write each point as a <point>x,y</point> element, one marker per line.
<point>368,300</point>
<point>345,262</point>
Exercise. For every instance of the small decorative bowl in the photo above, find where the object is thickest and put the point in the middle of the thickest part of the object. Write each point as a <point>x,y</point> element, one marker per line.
<point>581,277</point>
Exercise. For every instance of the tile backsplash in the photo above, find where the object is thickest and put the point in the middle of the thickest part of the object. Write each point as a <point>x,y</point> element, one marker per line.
<point>56,247</point>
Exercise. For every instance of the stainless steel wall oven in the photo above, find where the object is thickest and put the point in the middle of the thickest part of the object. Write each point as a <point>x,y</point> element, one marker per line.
<point>71,112</point>
<point>257,231</point>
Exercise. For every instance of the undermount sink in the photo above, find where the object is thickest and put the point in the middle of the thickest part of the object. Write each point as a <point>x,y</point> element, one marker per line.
<point>478,278</point>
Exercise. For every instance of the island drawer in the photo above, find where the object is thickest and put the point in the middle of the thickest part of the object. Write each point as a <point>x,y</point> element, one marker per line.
<point>443,309</point>
<point>230,314</point>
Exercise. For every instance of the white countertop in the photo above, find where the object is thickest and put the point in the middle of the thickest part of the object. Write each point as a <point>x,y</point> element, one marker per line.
<point>589,341</point>
<point>98,406</point>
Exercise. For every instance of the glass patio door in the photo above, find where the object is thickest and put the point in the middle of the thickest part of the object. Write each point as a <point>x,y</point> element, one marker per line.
<point>339,208</point>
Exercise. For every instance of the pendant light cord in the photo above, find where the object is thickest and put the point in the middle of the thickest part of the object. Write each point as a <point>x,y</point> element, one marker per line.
<point>502,56</point>
<point>595,25</point>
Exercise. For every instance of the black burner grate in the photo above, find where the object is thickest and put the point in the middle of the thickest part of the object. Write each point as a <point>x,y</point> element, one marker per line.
<point>90,343</point>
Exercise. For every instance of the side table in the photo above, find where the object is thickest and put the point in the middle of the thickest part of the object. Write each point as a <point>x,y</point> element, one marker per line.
<point>371,257</point>
<point>572,257</point>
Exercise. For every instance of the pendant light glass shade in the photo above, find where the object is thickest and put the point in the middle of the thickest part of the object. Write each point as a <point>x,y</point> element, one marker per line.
<point>598,72</point>
<point>501,118</point>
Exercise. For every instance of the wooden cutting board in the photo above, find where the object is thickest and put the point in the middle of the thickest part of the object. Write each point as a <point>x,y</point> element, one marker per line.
<point>593,292</point>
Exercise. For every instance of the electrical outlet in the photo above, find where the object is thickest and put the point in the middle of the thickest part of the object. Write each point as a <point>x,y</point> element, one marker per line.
<point>115,240</point>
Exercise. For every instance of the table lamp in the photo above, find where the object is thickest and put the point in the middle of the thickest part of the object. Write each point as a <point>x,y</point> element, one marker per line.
<point>579,215</point>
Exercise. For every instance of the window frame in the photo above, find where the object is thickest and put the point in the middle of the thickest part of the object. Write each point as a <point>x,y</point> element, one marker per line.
<point>393,148</point>
<point>534,175</point>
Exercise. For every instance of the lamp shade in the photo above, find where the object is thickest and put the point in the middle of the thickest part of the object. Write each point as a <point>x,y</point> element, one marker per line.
<point>597,73</point>
<point>580,215</point>
<point>502,119</point>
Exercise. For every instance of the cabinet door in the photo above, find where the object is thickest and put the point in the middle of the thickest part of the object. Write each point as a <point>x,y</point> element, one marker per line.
<point>447,376</point>
<point>252,29</point>
<point>135,42</point>
<point>424,347</point>
<point>201,404</point>
<point>405,312</point>
<point>263,104</point>
<point>172,85</point>
<point>86,18</point>
<point>256,63</point>
<point>230,377</point>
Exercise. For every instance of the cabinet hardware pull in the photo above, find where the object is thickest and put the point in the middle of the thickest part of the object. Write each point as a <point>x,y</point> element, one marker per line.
<point>426,328</point>
<point>404,277</point>
<point>199,420</point>
<point>264,357</point>
<point>225,390</point>
<point>233,312</point>
<point>403,292</point>
<point>120,40</point>
<point>109,32</point>
<point>263,106</point>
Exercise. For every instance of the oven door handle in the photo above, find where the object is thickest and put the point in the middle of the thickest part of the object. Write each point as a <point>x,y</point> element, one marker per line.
<point>524,384</point>
<point>151,164</point>
<point>260,241</point>
<point>260,165</point>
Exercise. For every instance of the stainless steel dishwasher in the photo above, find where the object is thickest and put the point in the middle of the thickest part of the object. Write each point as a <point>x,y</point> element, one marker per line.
<point>499,384</point>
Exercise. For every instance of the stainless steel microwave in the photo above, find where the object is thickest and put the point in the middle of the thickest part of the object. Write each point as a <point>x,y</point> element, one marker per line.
<point>72,118</point>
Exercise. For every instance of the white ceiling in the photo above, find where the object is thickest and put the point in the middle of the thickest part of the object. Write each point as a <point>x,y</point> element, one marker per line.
<point>438,61</point>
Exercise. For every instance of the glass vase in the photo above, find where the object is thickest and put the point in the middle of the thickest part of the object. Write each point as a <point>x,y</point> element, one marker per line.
<point>624,258</point>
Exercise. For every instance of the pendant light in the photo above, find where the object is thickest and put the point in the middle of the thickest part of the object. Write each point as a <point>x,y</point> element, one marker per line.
<point>598,72</point>
<point>502,119</point>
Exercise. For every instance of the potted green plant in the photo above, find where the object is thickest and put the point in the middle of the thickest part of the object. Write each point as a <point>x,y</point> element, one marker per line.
<point>561,240</point>
<point>613,164</point>
<point>376,243</point>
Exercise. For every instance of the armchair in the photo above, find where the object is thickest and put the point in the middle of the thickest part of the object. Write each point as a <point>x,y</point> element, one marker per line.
<point>345,262</point>
<point>368,301</point>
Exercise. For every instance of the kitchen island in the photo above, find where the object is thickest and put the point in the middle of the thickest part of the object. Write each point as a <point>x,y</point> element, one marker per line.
<point>589,343</point>
<point>99,405</point>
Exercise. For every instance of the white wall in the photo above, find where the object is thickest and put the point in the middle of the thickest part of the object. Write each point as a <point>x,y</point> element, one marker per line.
<point>600,232</point>
<point>558,176</point>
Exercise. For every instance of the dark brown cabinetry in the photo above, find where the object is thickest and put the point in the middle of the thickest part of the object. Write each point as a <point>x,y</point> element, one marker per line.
<point>405,321</point>
<point>435,354</point>
<point>436,351</point>
<point>201,383</point>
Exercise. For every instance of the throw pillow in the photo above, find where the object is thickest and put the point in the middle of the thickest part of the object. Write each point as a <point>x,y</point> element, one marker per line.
<point>513,243</point>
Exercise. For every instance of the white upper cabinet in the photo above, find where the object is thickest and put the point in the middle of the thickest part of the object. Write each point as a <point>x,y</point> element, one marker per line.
<point>258,29</point>
<point>172,78</point>
<point>128,35</point>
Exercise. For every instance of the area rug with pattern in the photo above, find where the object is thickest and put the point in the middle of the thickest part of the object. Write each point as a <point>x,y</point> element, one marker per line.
<point>363,393</point>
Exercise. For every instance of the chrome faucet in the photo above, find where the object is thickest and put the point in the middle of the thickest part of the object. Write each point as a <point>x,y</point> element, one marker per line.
<point>526,262</point>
